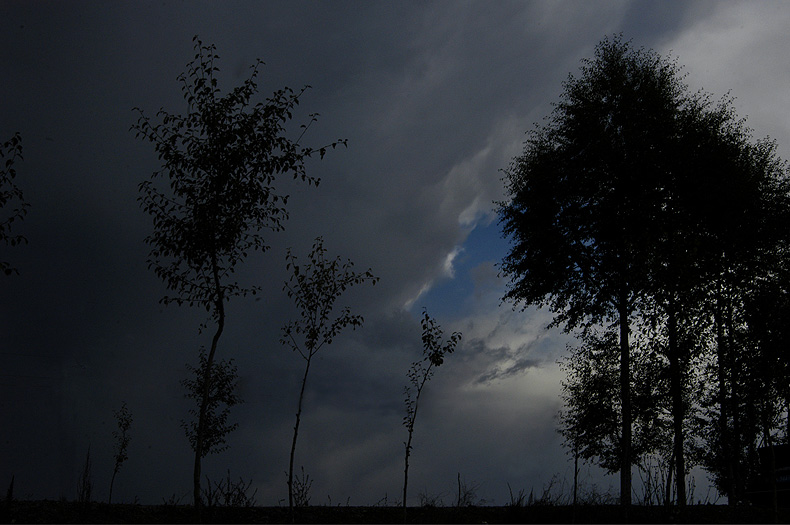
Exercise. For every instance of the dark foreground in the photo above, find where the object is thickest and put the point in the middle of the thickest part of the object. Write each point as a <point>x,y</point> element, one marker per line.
<point>71,512</point>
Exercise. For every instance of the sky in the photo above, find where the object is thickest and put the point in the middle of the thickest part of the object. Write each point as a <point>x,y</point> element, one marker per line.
<point>434,99</point>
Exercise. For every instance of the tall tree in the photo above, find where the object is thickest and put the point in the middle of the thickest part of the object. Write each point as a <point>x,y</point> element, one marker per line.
<point>10,153</point>
<point>216,194</point>
<point>584,201</point>
<point>723,231</point>
<point>314,288</point>
<point>749,286</point>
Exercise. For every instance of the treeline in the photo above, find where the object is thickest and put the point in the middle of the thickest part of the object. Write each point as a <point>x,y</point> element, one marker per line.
<point>649,220</point>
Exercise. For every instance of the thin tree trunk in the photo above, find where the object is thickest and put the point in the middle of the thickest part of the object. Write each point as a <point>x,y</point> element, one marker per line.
<point>724,430</point>
<point>112,480</point>
<point>736,439</point>
<point>625,399</point>
<point>575,477</point>
<point>406,471</point>
<point>787,421</point>
<point>411,433</point>
<point>296,433</point>
<point>668,492</point>
<point>676,389</point>
<point>201,430</point>
<point>769,440</point>
<point>575,474</point>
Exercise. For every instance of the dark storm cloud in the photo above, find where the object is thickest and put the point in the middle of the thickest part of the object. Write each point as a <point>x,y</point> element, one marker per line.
<point>433,98</point>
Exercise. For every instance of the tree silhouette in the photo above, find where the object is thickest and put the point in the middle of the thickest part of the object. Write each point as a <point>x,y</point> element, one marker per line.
<point>221,397</point>
<point>583,201</point>
<point>745,287</point>
<point>215,193</point>
<point>720,234</point>
<point>433,352</point>
<point>642,202</point>
<point>590,420</point>
<point>123,418</point>
<point>10,153</point>
<point>314,288</point>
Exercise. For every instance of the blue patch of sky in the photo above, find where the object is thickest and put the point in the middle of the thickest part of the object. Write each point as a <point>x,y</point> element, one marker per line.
<point>451,296</point>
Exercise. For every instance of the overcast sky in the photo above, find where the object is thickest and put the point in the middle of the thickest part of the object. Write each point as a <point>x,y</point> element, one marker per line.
<point>434,99</point>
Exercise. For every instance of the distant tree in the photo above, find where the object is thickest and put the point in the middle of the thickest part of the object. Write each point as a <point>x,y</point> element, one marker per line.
<point>314,288</point>
<point>10,153</point>
<point>123,418</point>
<point>215,194</point>
<point>583,201</point>
<point>590,419</point>
<point>434,350</point>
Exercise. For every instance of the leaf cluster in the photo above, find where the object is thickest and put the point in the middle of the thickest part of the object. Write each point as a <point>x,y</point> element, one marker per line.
<point>215,194</point>
<point>10,153</point>
<point>314,287</point>
<point>223,378</point>
<point>435,348</point>
<point>123,419</point>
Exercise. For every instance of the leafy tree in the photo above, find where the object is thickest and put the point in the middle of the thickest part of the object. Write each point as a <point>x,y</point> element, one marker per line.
<point>722,230</point>
<point>215,194</point>
<point>584,201</point>
<point>10,153</point>
<point>123,419</point>
<point>433,352</point>
<point>714,224</point>
<point>590,420</point>
<point>314,288</point>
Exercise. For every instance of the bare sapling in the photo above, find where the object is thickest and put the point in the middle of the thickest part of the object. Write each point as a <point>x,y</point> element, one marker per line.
<point>314,288</point>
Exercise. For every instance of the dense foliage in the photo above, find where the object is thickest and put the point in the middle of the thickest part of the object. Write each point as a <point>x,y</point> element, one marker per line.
<point>643,206</point>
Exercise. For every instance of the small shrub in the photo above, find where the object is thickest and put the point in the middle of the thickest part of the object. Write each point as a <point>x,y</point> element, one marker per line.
<point>173,500</point>
<point>301,489</point>
<point>85,482</point>
<point>467,494</point>
<point>430,500</point>
<point>228,493</point>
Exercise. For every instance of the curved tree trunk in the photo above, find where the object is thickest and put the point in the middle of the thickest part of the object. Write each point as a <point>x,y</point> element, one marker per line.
<point>112,480</point>
<point>293,443</point>
<point>411,433</point>
<point>676,393</point>
<point>201,429</point>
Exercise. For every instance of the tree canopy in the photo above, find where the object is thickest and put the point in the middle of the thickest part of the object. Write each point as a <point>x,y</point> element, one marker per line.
<point>639,200</point>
